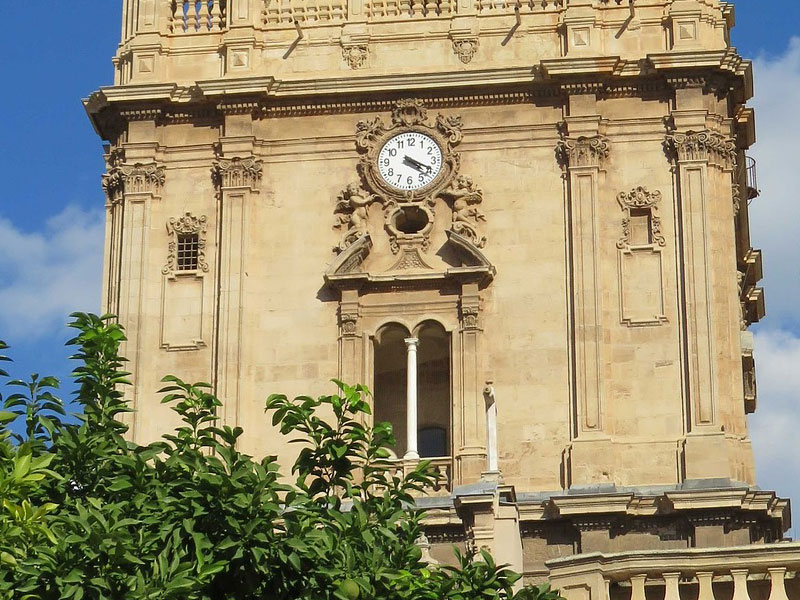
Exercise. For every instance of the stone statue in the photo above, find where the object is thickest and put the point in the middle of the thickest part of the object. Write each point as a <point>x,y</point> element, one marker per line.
<point>465,198</point>
<point>351,213</point>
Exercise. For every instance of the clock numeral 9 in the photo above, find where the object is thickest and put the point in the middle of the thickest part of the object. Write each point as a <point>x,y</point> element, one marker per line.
<point>385,162</point>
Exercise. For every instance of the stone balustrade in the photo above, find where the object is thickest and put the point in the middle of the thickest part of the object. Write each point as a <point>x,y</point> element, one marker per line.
<point>197,16</point>
<point>443,465</point>
<point>759,572</point>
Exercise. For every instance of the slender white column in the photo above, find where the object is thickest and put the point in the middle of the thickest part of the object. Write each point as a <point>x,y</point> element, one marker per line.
<point>411,399</point>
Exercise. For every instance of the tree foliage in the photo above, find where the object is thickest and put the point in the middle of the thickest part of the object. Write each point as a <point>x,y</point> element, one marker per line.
<point>87,514</point>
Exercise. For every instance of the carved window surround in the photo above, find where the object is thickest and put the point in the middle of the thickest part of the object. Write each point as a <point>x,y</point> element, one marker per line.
<point>187,224</point>
<point>641,272</point>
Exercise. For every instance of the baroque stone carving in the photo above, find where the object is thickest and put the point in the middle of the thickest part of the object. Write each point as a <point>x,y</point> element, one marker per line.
<point>139,178</point>
<point>582,151</point>
<point>703,145</point>
<point>348,322</point>
<point>351,214</point>
<point>469,317</point>
<point>237,172</point>
<point>737,198</point>
<point>465,198</point>
<point>465,48</point>
<point>640,198</point>
<point>355,55</point>
<point>187,224</point>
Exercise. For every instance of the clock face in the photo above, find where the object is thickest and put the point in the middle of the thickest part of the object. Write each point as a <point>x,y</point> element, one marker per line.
<point>410,161</point>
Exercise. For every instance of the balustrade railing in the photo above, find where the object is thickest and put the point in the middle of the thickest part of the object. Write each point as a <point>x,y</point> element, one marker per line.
<point>757,572</point>
<point>442,465</point>
<point>197,16</point>
<point>304,11</point>
<point>286,12</point>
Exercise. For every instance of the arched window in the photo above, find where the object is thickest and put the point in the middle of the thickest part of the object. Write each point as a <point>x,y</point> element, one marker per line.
<point>433,383</point>
<point>390,381</point>
<point>431,347</point>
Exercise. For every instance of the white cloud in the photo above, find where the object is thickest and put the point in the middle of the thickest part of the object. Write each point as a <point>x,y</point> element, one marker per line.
<point>775,426</point>
<point>49,273</point>
<point>775,214</point>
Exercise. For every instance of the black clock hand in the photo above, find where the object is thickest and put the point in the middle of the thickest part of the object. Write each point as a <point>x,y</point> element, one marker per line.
<point>421,167</point>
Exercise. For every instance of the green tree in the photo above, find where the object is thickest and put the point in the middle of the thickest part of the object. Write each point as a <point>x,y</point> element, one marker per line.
<point>87,514</point>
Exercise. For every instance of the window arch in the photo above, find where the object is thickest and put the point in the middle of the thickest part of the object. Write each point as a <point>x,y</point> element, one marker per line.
<point>431,343</point>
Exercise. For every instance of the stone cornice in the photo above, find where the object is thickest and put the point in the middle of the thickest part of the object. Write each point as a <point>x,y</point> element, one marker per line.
<point>550,77</point>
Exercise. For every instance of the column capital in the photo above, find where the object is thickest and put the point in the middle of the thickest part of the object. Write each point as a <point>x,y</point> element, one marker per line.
<point>411,341</point>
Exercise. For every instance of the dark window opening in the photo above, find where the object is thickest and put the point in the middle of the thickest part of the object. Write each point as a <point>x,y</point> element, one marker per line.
<point>188,251</point>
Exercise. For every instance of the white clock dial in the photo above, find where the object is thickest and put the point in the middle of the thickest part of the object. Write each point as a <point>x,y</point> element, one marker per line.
<point>410,161</point>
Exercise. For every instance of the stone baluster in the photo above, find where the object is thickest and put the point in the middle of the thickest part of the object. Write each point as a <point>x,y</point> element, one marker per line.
<point>778,577</point>
<point>432,7</point>
<point>671,590</point>
<point>405,7</point>
<point>740,584</point>
<point>203,15</point>
<point>417,7</point>
<point>178,24</point>
<point>705,580</point>
<point>191,16</point>
<point>216,15</point>
<point>637,587</point>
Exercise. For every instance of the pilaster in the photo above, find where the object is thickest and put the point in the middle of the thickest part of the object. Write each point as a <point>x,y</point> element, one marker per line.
<point>471,452</point>
<point>131,189</point>
<point>237,175</point>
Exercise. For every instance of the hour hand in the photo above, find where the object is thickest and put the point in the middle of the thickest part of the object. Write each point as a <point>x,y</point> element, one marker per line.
<point>421,167</point>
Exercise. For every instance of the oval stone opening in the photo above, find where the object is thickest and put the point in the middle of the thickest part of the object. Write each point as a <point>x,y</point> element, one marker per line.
<point>410,219</point>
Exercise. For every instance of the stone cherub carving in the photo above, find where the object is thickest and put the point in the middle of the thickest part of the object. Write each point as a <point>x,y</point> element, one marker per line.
<point>351,213</point>
<point>465,198</point>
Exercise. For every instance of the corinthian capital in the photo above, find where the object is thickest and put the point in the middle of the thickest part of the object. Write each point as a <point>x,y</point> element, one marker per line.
<point>583,151</point>
<point>122,179</point>
<point>237,172</point>
<point>703,145</point>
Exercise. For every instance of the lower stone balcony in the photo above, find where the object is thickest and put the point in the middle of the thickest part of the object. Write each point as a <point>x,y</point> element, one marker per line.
<point>758,572</point>
<point>443,465</point>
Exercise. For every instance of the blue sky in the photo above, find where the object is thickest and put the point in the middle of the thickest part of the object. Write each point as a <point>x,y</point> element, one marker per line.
<point>51,203</point>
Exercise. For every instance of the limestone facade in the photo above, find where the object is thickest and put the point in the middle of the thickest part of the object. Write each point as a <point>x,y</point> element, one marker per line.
<point>581,248</point>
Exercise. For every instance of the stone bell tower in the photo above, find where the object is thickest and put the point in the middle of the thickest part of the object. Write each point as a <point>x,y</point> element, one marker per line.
<point>523,224</point>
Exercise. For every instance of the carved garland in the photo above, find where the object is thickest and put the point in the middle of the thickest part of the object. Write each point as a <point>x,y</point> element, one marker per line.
<point>187,224</point>
<point>640,198</point>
